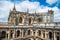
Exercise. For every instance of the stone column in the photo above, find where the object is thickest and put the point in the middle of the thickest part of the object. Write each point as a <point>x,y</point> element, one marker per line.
<point>22,32</point>
<point>32,32</point>
<point>36,38</point>
<point>31,38</point>
<point>54,35</point>
<point>41,34</point>
<point>36,33</point>
<point>8,35</point>
<point>47,35</point>
<point>14,35</point>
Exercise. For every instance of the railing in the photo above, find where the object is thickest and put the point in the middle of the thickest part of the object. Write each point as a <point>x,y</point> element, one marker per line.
<point>42,25</point>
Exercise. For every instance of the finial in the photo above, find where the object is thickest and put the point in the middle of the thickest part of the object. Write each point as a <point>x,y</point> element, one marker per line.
<point>50,11</point>
<point>14,7</point>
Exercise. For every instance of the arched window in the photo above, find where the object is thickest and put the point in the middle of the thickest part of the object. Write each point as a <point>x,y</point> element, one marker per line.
<point>39,19</point>
<point>3,34</point>
<point>50,35</point>
<point>39,32</point>
<point>29,20</point>
<point>11,34</point>
<point>29,32</point>
<point>20,20</point>
<point>18,33</point>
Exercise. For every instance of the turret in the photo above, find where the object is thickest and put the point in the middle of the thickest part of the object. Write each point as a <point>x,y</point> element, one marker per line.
<point>51,15</point>
<point>50,11</point>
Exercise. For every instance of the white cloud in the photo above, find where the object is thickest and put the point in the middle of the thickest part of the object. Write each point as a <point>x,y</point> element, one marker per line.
<point>51,1</point>
<point>23,6</point>
<point>5,7</point>
<point>4,10</point>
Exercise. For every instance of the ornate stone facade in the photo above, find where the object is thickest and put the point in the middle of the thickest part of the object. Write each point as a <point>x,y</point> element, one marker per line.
<point>30,26</point>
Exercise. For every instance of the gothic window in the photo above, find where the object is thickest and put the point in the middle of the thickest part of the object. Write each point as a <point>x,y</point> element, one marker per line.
<point>28,32</point>
<point>39,32</point>
<point>18,33</point>
<point>29,20</point>
<point>20,20</point>
<point>3,34</point>
<point>50,35</point>
<point>39,19</point>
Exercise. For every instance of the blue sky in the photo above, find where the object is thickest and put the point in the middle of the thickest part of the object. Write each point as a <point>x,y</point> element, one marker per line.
<point>32,5</point>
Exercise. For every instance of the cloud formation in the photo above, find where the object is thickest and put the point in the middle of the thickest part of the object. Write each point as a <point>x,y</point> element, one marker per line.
<point>51,1</point>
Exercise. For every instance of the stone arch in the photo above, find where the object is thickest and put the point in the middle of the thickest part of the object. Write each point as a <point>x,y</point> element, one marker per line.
<point>39,32</point>
<point>11,34</point>
<point>39,20</point>
<point>3,34</point>
<point>18,33</point>
<point>29,32</point>
<point>30,20</point>
<point>50,35</point>
<point>21,19</point>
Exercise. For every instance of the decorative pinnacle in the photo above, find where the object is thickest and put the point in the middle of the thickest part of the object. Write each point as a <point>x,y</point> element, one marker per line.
<point>14,7</point>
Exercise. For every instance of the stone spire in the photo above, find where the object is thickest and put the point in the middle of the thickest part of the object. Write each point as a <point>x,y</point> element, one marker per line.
<point>14,7</point>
